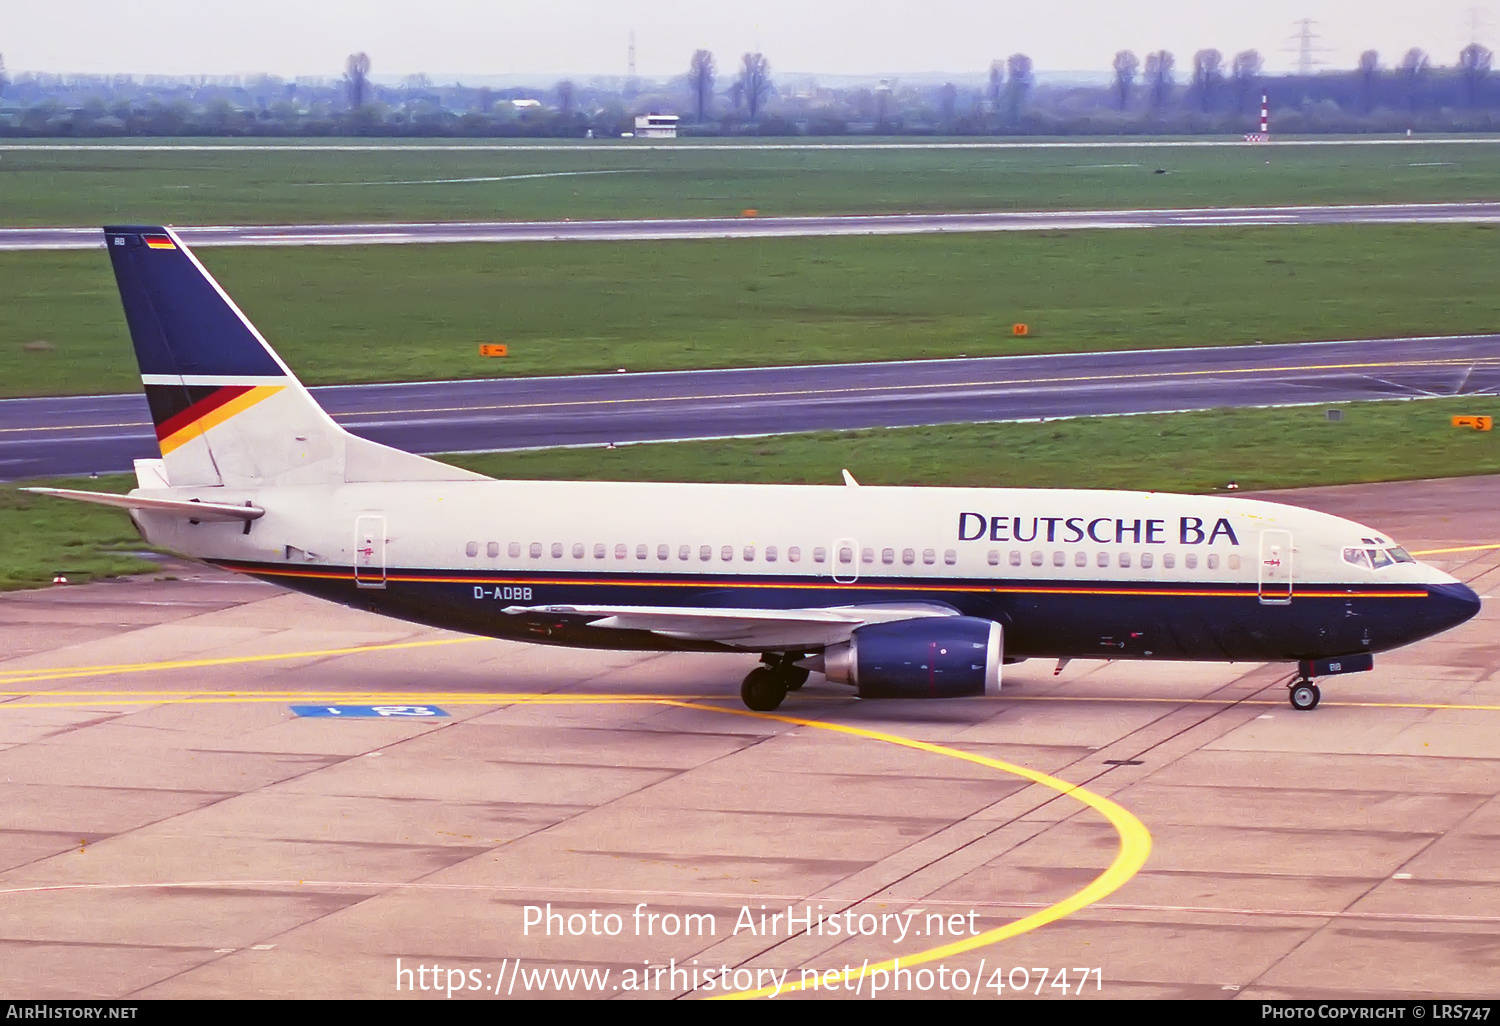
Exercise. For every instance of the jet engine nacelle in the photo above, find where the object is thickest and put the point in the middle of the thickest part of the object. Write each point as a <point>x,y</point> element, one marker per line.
<point>928,657</point>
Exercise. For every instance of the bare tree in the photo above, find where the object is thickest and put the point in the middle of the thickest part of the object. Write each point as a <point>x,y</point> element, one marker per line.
<point>1474,66</point>
<point>947,104</point>
<point>1018,89</point>
<point>1414,67</point>
<point>1126,67</point>
<point>1246,71</point>
<point>357,79</point>
<point>755,81</point>
<point>1159,80</point>
<point>1208,75</point>
<point>1369,75</point>
<point>701,78</point>
<point>997,81</point>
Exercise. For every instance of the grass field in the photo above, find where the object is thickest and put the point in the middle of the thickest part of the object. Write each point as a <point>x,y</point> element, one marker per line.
<point>386,313</point>
<point>287,185</point>
<point>1187,452</point>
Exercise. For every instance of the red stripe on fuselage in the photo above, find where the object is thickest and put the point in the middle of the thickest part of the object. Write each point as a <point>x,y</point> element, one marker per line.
<point>201,408</point>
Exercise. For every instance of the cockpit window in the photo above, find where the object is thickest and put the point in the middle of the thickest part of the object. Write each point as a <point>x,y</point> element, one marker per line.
<point>1376,559</point>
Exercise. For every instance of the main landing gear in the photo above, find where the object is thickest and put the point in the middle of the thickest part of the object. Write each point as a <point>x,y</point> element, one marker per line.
<point>767,685</point>
<point>1304,694</point>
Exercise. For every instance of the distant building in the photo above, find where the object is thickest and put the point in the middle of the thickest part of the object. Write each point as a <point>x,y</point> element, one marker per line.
<point>656,126</point>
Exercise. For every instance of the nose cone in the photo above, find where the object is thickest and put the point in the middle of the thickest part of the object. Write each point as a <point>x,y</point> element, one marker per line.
<point>1452,604</point>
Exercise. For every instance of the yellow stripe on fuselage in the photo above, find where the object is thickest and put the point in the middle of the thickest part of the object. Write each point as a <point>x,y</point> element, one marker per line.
<point>217,416</point>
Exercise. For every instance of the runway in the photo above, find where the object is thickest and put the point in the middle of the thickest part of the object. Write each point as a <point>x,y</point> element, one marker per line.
<point>104,434</point>
<point>176,829</point>
<point>771,227</point>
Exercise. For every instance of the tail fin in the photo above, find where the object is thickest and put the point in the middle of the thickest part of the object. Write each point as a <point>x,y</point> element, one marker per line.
<point>227,410</point>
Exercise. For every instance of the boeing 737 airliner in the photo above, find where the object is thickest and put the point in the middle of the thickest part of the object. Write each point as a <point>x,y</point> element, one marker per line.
<point>900,592</point>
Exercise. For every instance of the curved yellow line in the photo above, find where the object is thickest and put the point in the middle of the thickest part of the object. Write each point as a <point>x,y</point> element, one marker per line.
<point>1135,839</point>
<point>1135,848</point>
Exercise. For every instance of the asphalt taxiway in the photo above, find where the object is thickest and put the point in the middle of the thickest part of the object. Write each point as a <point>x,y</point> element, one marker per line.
<point>84,434</point>
<point>174,829</point>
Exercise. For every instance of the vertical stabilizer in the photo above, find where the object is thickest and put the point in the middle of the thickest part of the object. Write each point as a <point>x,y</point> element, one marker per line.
<point>227,411</point>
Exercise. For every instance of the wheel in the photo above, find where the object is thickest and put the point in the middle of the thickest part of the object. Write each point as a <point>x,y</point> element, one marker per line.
<point>1305,695</point>
<point>763,690</point>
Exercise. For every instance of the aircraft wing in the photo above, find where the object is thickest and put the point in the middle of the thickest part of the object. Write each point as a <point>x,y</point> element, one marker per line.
<point>751,629</point>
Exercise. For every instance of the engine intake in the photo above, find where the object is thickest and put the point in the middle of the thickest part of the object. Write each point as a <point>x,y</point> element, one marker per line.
<point>928,657</point>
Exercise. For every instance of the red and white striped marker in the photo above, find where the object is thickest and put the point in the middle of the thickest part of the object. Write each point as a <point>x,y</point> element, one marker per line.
<point>1264,135</point>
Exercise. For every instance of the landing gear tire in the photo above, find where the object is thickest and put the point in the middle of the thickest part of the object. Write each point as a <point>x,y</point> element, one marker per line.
<point>763,690</point>
<point>795,677</point>
<point>1304,695</point>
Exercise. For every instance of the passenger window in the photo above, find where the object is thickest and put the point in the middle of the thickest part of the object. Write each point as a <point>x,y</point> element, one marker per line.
<point>684,551</point>
<point>536,550</point>
<point>950,556</point>
<point>794,554</point>
<point>1036,558</point>
<point>846,554</point>
<point>994,557</point>
<point>929,556</point>
<point>1125,559</point>
<point>749,553</point>
<point>640,552</point>
<point>557,550</point>
<point>1015,557</point>
<point>471,549</point>
<point>663,551</point>
<point>1234,562</point>
<point>578,550</point>
<point>1080,558</point>
<point>867,555</point>
<point>726,553</point>
<point>598,550</point>
<point>705,553</point>
<point>1191,560</point>
<point>1146,559</point>
<point>492,550</point>
<point>1059,559</point>
<point>620,550</point>
<point>515,550</point>
<point>770,553</point>
<point>1168,560</point>
<point>908,556</point>
<point>1213,561</point>
<point>1103,559</point>
<point>887,556</point>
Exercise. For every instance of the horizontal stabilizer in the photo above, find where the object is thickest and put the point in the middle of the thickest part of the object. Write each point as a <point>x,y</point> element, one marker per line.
<point>210,512</point>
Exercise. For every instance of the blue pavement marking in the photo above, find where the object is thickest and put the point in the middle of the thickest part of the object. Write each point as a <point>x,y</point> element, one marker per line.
<point>369,711</point>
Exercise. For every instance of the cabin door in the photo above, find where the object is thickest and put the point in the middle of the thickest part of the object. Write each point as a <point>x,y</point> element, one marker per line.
<point>1275,568</point>
<point>369,550</point>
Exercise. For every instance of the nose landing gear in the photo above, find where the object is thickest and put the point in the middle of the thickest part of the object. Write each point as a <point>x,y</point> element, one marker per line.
<point>1304,694</point>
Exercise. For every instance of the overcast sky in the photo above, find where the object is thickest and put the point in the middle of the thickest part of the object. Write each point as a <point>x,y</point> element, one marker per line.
<point>552,38</point>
